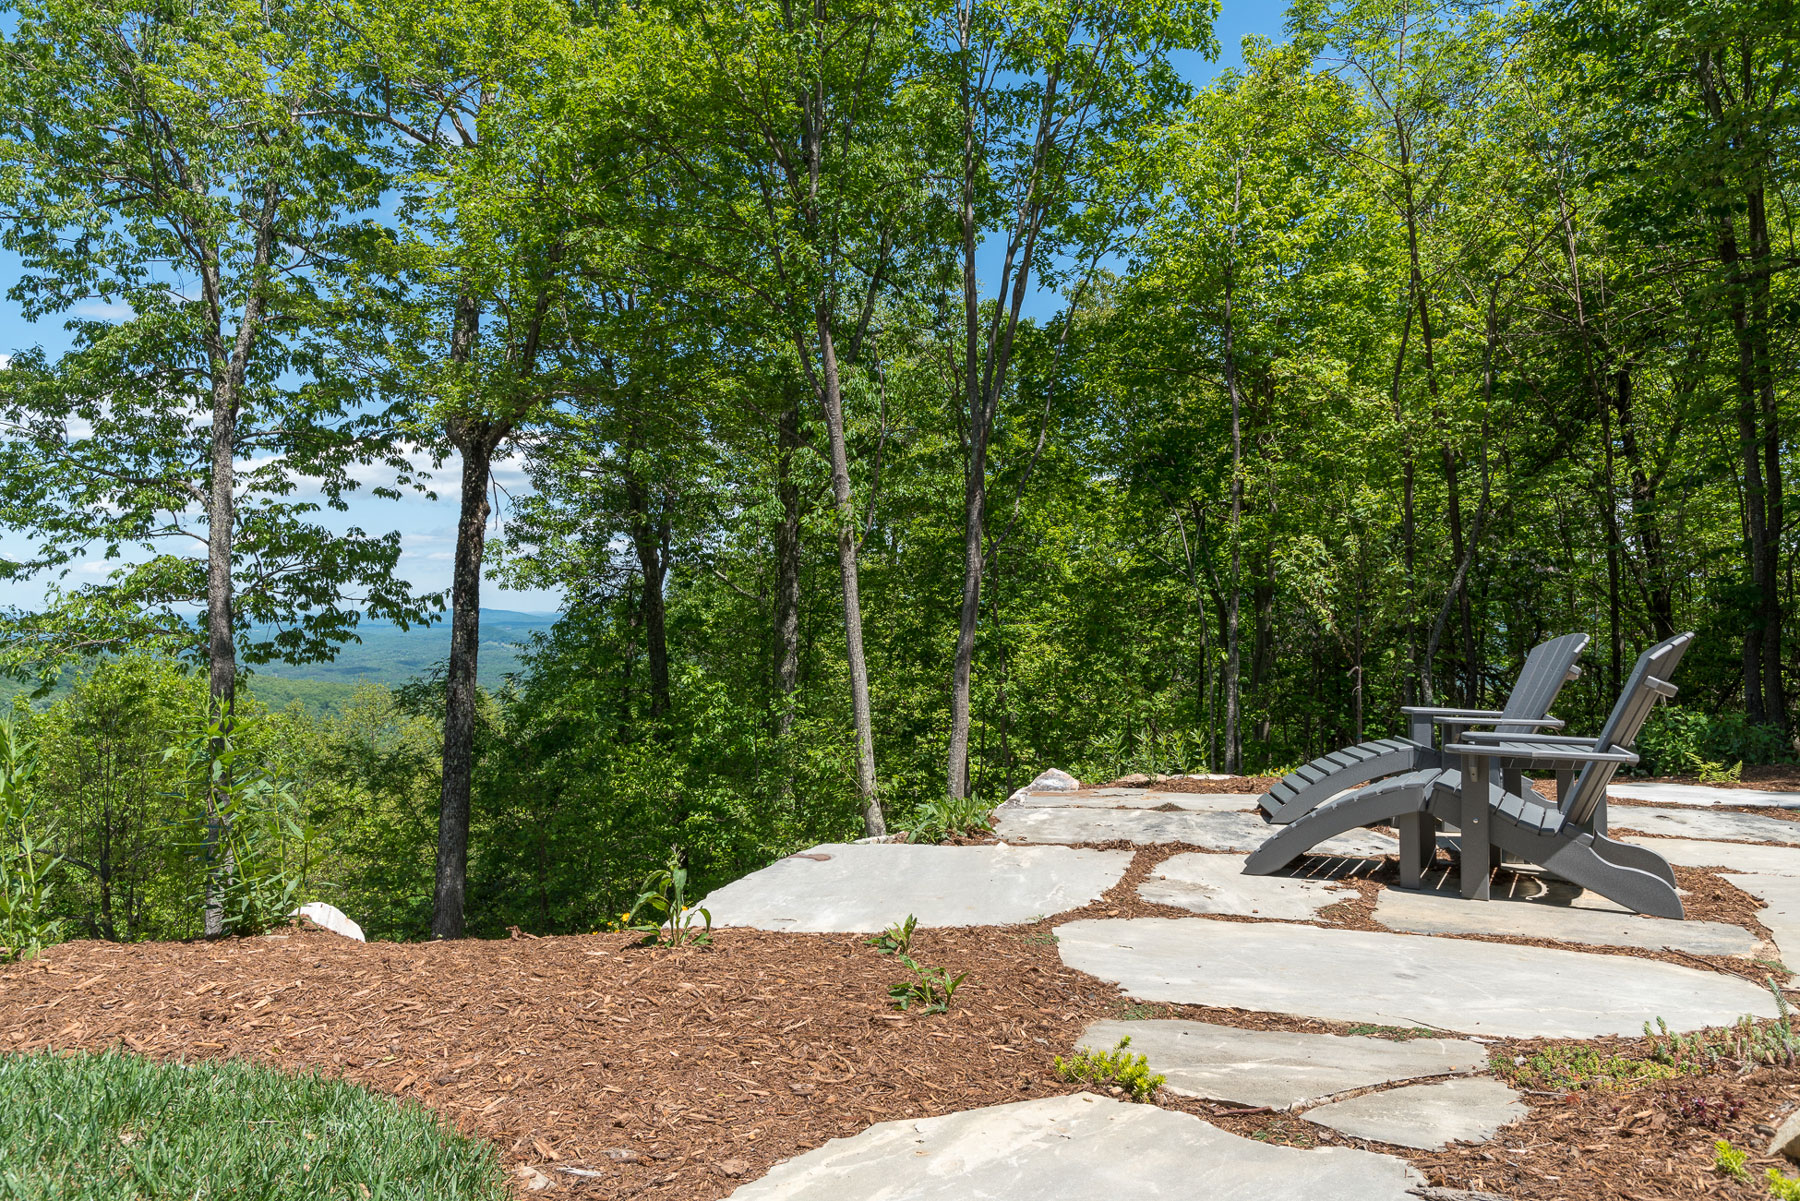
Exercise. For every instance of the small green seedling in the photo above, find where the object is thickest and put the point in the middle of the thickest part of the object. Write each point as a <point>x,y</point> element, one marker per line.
<point>1729,1161</point>
<point>896,939</point>
<point>667,919</point>
<point>1115,1069</point>
<point>1782,1188</point>
<point>931,989</point>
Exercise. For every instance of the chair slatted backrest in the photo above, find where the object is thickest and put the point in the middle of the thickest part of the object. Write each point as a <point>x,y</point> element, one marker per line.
<point>1547,668</point>
<point>1648,682</point>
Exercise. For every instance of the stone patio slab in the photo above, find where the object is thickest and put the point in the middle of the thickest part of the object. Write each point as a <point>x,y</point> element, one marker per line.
<point>1402,979</point>
<point>1137,798</point>
<point>1079,1148</point>
<point>1207,883</point>
<point>1442,910</point>
<point>1241,832</point>
<point>1703,794</point>
<point>1277,1068</point>
<point>1718,825</point>
<point>1780,896</point>
<point>1731,856</point>
<point>839,887</point>
<point>1427,1116</point>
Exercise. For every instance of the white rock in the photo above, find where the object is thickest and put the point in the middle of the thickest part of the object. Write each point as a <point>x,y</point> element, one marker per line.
<point>1401,979</point>
<point>862,888</point>
<point>331,918</point>
<point>1217,884</point>
<point>1274,1067</point>
<point>1426,1116</point>
<point>1053,780</point>
<point>1077,1148</point>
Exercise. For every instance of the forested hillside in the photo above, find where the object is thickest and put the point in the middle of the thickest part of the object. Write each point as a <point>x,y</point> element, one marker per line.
<point>912,396</point>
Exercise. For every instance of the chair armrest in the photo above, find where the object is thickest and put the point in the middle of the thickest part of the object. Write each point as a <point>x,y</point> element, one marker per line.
<point>1542,754</point>
<point>1555,739</point>
<point>1458,714</point>
<point>1483,717</point>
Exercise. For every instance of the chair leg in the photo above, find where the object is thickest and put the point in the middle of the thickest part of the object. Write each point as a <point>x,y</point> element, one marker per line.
<point>1415,834</point>
<point>1477,864</point>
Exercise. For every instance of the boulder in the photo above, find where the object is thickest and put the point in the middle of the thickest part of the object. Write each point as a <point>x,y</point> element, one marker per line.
<point>331,918</point>
<point>1787,1138</point>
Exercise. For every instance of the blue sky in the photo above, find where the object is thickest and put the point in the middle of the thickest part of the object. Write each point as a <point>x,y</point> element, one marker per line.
<point>427,527</point>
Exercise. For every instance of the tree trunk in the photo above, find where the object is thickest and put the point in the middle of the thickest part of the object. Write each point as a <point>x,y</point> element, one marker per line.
<point>1234,743</point>
<point>221,646</point>
<point>974,503</point>
<point>460,693</point>
<point>787,573</point>
<point>1756,529</point>
<point>1769,549</point>
<point>832,399</point>
<point>649,537</point>
<point>1658,592</point>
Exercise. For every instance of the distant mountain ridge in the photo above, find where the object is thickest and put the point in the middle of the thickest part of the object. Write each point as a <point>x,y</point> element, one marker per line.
<point>386,654</point>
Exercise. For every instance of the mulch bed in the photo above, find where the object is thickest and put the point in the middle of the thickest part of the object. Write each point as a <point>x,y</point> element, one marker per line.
<point>680,1074</point>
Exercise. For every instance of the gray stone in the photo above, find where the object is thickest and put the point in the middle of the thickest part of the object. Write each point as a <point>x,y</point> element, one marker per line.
<point>1780,896</point>
<point>1217,884</point>
<point>1718,824</point>
<point>1053,780</point>
<point>842,887</point>
<point>1214,831</point>
<point>1427,1116</point>
<point>1077,1148</point>
<point>1444,911</point>
<point>1277,1068</point>
<point>1402,979</point>
<point>1703,794</point>
<point>331,918</point>
<point>1134,798</point>
<point>1787,1138</point>
<point>1731,856</point>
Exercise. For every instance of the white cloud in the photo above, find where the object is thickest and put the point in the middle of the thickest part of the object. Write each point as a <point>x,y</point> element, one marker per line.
<point>103,310</point>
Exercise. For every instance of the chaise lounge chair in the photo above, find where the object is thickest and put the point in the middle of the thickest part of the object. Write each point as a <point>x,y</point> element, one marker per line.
<point>1547,668</point>
<point>1564,838</point>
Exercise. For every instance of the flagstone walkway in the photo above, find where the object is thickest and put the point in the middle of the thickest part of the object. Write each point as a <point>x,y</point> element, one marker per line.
<point>1259,945</point>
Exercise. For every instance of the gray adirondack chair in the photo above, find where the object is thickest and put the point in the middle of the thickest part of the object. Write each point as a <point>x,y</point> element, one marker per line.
<point>1567,838</point>
<point>1547,668</point>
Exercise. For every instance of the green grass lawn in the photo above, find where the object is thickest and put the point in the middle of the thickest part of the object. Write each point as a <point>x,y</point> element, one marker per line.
<point>115,1126</point>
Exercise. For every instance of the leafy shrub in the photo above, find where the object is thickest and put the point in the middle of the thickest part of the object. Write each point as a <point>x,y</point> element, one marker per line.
<point>668,918</point>
<point>26,864</point>
<point>950,817</point>
<point>1681,741</point>
<point>1729,1161</point>
<point>243,828</point>
<point>115,1126</point>
<point>1114,1069</point>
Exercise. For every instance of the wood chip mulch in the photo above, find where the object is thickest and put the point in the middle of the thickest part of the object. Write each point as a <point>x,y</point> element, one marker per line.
<point>678,1075</point>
